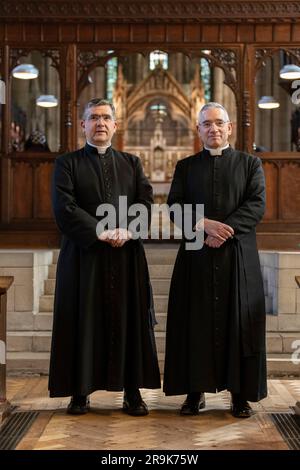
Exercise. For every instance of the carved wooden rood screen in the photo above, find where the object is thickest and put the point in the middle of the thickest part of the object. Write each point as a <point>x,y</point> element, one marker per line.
<point>227,51</point>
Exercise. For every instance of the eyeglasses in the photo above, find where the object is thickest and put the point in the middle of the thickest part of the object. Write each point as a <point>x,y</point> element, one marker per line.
<point>98,117</point>
<point>218,123</point>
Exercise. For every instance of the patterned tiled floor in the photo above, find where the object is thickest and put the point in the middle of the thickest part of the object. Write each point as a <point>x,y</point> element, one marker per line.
<point>107,428</point>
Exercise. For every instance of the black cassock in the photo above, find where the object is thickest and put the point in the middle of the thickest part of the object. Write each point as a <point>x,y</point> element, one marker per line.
<point>103,319</point>
<point>216,313</point>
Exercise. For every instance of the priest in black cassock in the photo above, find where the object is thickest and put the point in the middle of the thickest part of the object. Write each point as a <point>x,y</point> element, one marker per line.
<point>103,317</point>
<point>216,313</point>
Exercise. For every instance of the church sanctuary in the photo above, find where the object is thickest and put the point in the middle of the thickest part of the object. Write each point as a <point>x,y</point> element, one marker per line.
<point>158,62</point>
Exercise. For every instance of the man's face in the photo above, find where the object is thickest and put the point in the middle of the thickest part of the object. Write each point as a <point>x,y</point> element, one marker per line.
<point>99,125</point>
<point>213,128</point>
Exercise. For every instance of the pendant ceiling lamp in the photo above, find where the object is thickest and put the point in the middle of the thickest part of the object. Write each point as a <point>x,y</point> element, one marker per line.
<point>290,72</point>
<point>25,71</point>
<point>47,101</point>
<point>268,102</point>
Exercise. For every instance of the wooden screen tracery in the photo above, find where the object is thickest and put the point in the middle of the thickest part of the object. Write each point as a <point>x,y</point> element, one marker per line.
<point>72,33</point>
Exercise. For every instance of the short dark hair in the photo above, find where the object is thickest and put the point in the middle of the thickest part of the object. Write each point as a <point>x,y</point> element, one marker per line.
<point>98,102</point>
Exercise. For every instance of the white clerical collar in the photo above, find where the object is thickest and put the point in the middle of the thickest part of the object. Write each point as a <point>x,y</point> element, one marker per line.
<point>217,151</point>
<point>100,150</point>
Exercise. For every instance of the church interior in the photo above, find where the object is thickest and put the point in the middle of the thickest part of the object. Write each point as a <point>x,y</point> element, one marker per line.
<point>159,63</point>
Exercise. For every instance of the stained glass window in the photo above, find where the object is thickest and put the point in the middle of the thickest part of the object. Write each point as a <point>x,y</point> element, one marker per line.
<point>206,78</point>
<point>111,76</point>
<point>158,57</point>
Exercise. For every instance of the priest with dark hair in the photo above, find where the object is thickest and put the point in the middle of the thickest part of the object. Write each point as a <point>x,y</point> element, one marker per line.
<point>103,335</point>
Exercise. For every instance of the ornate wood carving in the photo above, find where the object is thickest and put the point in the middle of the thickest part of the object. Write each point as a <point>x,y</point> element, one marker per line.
<point>281,159</point>
<point>226,59</point>
<point>261,55</point>
<point>246,120</point>
<point>33,160</point>
<point>87,61</point>
<point>149,10</point>
<point>68,114</point>
<point>227,27</point>
<point>53,54</point>
<point>15,55</point>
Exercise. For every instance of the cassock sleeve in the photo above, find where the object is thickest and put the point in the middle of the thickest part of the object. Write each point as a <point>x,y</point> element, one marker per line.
<point>74,222</point>
<point>251,211</point>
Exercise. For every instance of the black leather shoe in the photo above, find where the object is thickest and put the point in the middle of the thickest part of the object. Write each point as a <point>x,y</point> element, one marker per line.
<point>240,408</point>
<point>134,405</point>
<point>193,404</point>
<point>79,405</point>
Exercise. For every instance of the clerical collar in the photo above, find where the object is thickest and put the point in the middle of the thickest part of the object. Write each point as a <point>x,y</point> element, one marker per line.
<point>217,151</point>
<point>100,150</point>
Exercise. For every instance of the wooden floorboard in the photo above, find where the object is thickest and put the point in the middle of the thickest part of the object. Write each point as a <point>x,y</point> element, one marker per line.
<point>106,427</point>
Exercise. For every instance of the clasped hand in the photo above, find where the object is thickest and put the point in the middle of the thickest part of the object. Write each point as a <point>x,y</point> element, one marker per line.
<point>116,238</point>
<point>217,232</point>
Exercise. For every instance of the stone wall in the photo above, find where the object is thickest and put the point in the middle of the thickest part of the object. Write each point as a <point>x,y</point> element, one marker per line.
<point>30,305</point>
<point>283,305</point>
<point>30,269</point>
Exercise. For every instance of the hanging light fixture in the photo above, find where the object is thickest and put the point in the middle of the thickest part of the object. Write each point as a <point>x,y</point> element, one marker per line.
<point>47,101</point>
<point>290,72</point>
<point>25,71</point>
<point>268,102</point>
